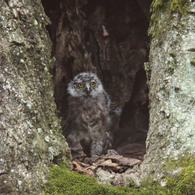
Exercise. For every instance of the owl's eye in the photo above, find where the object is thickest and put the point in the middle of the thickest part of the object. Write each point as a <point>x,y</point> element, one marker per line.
<point>80,85</point>
<point>93,84</point>
<point>113,102</point>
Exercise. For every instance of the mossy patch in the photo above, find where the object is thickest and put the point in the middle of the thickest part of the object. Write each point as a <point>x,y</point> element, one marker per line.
<point>192,61</point>
<point>183,183</point>
<point>170,5</point>
<point>64,181</point>
<point>179,6</point>
<point>162,10</point>
<point>179,178</point>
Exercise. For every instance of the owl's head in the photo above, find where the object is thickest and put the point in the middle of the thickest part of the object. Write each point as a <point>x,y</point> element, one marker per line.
<point>115,107</point>
<point>85,84</point>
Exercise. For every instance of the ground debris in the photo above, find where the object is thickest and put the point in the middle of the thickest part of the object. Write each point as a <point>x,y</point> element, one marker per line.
<point>112,162</point>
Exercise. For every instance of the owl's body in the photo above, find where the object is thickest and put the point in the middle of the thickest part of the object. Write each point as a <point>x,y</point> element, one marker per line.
<point>88,119</point>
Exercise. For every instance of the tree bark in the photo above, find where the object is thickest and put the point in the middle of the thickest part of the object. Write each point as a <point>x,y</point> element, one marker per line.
<point>30,131</point>
<point>171,79</point>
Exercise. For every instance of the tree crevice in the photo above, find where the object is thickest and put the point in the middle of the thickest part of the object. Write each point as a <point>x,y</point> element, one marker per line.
<point>110,39</point>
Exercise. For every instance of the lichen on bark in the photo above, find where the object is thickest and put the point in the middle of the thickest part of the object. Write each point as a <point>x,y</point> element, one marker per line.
<point>30,131</point>
<point>171,79</point>
<point>168,8</point>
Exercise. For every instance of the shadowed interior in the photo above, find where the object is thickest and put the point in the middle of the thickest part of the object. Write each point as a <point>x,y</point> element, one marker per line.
<point>108,38</point>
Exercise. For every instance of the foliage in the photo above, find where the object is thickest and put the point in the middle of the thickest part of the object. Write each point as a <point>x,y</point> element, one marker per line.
<point>63,181</point>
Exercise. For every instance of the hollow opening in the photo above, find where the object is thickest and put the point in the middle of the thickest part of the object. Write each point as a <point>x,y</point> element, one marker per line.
<point>109,38</point>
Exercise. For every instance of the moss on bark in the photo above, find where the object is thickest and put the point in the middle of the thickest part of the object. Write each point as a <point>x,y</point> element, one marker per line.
<point>165,9</point>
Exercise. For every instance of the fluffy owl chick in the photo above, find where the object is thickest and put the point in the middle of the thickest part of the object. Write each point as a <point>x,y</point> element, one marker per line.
<point>88,120</point>
<point>115,108</point>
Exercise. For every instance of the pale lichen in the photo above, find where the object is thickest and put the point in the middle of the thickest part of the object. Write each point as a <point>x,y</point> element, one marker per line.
<point>171,83</point>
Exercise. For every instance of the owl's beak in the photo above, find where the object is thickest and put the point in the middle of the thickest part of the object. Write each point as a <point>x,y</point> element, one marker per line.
<point>87,89</point>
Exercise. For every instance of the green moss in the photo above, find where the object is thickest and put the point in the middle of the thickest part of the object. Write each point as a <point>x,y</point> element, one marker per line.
<point>192,61</point>
<point>172,65</point>
<point>173,55</point>
<point>178,6</point>
<point>159,4</point>
<point>63,181</point>
<point>182,161</point>
<point>184,181</point>
<point>181,183</point>
<point>165,9</point>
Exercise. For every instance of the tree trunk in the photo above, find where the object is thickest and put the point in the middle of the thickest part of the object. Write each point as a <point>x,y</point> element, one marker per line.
<point>171,79</point>
<point>30,131</point>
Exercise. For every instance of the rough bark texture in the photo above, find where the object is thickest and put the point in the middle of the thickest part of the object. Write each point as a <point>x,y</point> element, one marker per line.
<point>30,132</point>
<point>171,79</point>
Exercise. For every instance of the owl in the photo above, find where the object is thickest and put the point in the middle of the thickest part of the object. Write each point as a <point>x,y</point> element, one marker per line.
<point>88,121</point>
<point>115,108</point>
